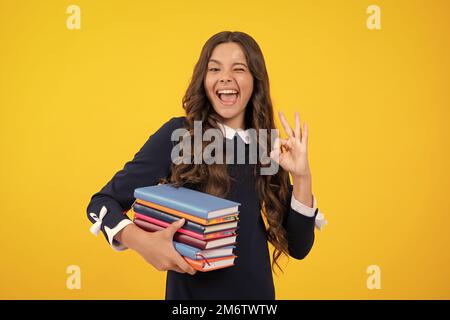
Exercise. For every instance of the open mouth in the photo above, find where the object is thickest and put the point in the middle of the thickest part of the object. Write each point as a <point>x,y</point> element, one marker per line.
<point>228,97</point>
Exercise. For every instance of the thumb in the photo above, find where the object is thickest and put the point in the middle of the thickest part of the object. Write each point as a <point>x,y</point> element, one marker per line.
<point>172,228</point>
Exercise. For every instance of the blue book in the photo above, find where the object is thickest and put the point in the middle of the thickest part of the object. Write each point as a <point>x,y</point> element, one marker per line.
<point>193,202</point>
<point>199,254</point>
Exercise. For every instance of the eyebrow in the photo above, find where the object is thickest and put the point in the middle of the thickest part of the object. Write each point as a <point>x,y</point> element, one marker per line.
<point>218,62</point>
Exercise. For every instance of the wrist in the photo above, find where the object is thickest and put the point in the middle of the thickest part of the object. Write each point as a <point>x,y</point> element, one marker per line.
<point>129,235</point>
<point>301,177</point>
<point>302,189</point>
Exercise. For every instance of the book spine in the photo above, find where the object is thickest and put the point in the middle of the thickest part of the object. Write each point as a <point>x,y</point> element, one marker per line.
<point>186,250</point>
<point>172,211</point>
<point>199,265</point>
<point>171,203</point>
<point>165,224</point>
<point>180,237</point>
<point>188,225</point>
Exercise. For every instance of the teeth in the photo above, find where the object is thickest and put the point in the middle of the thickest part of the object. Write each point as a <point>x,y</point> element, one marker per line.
<point>227,91</point>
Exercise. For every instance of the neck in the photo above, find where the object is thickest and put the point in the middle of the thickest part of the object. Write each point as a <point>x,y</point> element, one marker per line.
<point>235,123</point>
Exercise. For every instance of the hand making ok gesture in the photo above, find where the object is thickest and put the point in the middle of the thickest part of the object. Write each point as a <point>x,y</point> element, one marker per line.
<point>292,153</point>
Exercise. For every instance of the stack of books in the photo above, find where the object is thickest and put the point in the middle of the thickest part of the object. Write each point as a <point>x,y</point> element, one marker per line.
<point>207,238</point>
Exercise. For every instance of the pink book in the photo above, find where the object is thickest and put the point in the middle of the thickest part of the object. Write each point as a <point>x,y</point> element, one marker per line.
<point>214,235</point>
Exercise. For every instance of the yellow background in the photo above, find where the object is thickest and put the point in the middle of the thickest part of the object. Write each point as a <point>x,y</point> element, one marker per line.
<point>77,104</point>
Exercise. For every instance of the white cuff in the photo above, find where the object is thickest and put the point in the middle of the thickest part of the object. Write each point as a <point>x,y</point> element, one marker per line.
<point>111,233</point>
<point>96,227</point>
<point>303,209</point>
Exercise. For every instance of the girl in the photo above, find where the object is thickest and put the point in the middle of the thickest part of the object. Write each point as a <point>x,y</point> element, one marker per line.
<point>229,91</point>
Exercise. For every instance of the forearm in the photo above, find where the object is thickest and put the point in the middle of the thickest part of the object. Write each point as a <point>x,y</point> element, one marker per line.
<point>129,236</point>
<point>302,189</point>
<point>299,226</point>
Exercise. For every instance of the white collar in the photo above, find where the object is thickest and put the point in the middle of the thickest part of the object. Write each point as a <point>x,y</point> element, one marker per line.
<point>229,132</point>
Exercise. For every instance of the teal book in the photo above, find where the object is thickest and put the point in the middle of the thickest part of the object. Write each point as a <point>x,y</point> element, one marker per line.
<point>193,202</point>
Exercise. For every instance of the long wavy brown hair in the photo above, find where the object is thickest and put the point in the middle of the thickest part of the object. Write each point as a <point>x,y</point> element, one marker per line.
<point>214,178</point>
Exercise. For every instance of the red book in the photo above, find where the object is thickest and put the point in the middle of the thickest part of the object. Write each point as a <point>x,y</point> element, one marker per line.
<point>194,242</point>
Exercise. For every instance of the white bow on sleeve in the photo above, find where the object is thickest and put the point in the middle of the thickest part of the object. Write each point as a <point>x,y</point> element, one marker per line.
<point>95,228</point>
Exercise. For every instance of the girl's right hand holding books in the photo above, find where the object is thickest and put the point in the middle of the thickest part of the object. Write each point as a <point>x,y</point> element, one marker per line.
<point>156,247</point>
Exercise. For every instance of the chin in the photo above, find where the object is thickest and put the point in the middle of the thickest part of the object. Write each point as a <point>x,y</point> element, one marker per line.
<point>226,113</point>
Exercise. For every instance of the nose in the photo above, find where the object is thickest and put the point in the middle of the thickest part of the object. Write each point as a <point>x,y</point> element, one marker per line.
<point>225,81</point>
<point>225,78</point>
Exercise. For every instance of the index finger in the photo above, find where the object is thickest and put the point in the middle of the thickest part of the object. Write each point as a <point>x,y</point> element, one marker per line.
<point>183,265</point>
<point>298,131</point>
<point>286,126</point>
